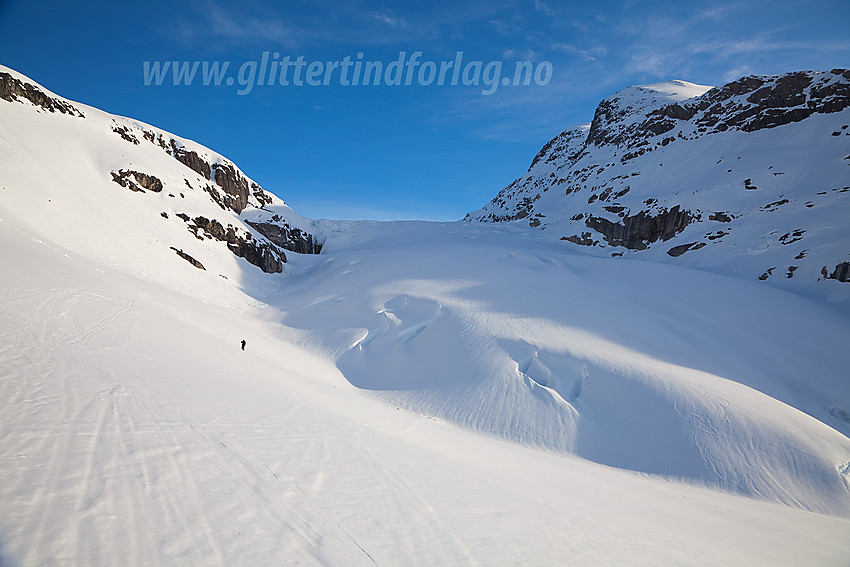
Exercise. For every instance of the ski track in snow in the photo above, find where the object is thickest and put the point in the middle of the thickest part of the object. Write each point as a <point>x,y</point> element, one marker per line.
<point>108,451</point>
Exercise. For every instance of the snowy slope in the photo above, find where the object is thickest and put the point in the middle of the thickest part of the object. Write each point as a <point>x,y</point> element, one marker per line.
<point>751,179</point>
<point>635,365</point>
<point>417,394</point>
<point>135,432</point>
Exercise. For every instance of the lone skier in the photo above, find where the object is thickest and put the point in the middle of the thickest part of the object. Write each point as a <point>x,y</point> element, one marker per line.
<point>243,344</point>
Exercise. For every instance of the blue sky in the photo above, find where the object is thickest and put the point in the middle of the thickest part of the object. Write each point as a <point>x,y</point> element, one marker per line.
<point>391,152</point>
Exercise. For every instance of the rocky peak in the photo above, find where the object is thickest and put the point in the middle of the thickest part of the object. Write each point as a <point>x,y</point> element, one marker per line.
<point>617,117</point>
<point>750,178</point>
<point>754,103</point>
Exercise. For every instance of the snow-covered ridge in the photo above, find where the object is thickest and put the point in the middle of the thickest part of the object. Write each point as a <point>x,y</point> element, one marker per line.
<point>750,179</point>
<point>617,116</point>
<point>195,200</point>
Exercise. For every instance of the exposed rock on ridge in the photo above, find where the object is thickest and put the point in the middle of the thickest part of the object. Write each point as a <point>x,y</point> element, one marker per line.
<point>12,88</point>
<point>744,179</point>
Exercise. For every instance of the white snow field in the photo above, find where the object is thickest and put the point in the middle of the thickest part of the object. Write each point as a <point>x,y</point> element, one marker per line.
<point>417,394</point>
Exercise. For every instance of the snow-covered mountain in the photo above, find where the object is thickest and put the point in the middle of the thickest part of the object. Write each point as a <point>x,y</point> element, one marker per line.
<point>751,179</point>
<point>147,193</point>
<point>414,394</point>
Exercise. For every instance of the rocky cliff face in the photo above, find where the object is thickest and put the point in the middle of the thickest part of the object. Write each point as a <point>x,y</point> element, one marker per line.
<point>182,180</point>
<point>13,89</point>
<point>751,178</point>
<point>232,192</point>
<point>287,238</point>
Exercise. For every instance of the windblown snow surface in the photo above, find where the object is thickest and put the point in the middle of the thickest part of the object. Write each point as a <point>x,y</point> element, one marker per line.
<point>417,394</point>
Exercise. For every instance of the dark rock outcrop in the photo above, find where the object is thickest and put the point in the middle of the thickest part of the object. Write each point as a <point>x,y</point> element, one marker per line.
<point>264,255</point>
<point>720,216</point>
<point>287,237</point>
<point>137,181</point>
<point>840,273</point>
<point>126,134</point>
<point>11,89</point>
<point>190,159</point>
<point>188,258</point>
<point>234,185</point>
<point>586,239</point>
<point>261,195</point>
<point>771,102</point>
<point>748,104</point>
<point>231,191</point>
<point>567,145</point>
<point>677,251</point>
<point>235,190</point>
<point>637,232</point>
<point>607,112</point>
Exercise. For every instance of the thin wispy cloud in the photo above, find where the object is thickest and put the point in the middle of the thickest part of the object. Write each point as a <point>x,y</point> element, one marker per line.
<point>736,73</point>
<point>545,8</point>
<point>330,24</point>
<point>632,45</point>
<point>521,54</point>
<point>215,23</point>
<point>590,54</point>
<point>720,38</point>
<point>579,25</point>
<point>757,45</point>
<point>717,12</point>
<point>390,20</point>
